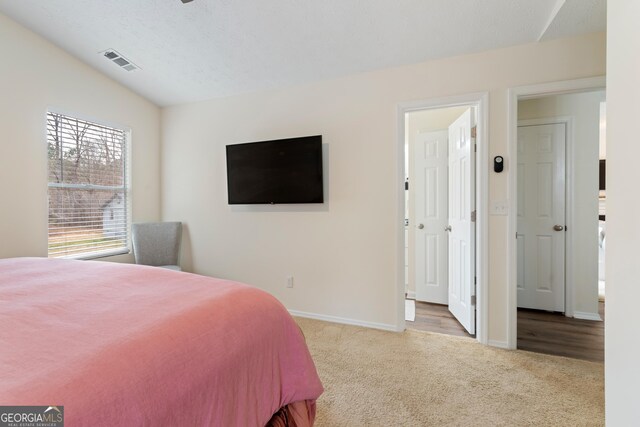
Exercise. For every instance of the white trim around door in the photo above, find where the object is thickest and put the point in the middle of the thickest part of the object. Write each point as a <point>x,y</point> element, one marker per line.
<point>481,102</point>
<point>514,95</point>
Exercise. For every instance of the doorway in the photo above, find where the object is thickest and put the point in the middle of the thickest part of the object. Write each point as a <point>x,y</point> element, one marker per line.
<point>443,226</point>
<point>556,215</point>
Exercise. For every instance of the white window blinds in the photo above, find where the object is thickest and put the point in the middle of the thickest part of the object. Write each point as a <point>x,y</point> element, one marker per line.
<point>88,188</point>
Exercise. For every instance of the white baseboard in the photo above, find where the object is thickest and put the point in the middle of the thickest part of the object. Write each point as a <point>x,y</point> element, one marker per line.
<point>345,321</point>
<point>587,316</point>
<point>499,344</point>
<point>411,294</point>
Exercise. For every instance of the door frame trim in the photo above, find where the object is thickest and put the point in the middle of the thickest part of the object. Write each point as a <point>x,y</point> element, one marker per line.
<point>480,100</point>
<point>569,189</point>
<point>515,94</point>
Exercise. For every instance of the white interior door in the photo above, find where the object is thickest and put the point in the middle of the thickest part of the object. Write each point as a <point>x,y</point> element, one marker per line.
<point>430,216</point>
<point>461,224</point>
<point>541,216</point>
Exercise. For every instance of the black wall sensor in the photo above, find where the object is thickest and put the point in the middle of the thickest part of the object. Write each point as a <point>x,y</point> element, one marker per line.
<point>498,164</point>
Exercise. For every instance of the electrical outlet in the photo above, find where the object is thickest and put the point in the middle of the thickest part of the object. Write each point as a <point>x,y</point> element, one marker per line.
<point>289,281</point>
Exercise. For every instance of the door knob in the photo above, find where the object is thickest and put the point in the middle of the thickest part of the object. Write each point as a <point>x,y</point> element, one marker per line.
<point>558,227</point>
<point>420,226</point>
<point>447,228</point>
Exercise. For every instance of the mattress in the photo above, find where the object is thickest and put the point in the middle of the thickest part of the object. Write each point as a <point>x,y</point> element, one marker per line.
<point>119,344</point>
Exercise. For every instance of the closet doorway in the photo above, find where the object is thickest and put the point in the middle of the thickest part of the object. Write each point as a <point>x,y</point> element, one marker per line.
<point>440,219</point>
<point>559,226</point>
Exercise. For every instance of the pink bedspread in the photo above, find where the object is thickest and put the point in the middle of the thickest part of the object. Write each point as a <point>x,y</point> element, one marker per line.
<point>126,345</point>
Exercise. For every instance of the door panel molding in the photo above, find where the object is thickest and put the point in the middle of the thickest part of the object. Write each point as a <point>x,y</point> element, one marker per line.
<point>462,229</point>
<point>428,199</point>
<point>545,283</point>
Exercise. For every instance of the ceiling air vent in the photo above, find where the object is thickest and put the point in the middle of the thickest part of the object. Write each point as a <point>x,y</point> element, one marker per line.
<point>119,60</point>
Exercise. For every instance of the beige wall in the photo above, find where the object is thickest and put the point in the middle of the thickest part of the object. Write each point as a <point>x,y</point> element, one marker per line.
<point>584,110</point>
<point>622,346</point>
<point>36,75</point>
<point>342,254</point>
<point>431,120</point>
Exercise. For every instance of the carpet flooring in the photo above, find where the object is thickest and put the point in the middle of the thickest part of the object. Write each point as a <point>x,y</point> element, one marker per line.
<point>416,378</point>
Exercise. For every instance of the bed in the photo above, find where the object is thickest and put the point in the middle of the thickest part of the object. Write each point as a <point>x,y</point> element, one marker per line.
<point>120,344</point>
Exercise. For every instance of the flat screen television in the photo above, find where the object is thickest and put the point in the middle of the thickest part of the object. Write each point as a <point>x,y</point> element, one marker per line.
<point>275,172</point>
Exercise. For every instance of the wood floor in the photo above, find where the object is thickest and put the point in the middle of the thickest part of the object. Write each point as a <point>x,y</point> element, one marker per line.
<point>554,333</point>
<point>436,318</point>
<point>538,331</point>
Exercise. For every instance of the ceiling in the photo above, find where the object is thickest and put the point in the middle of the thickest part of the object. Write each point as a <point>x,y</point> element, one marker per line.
<point>215,48</point>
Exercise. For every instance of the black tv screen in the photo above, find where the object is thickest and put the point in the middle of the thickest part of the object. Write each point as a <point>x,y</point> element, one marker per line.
<point>275,172</point>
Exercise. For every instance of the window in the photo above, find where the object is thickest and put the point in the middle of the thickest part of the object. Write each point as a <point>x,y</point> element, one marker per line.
<point>88,188</point>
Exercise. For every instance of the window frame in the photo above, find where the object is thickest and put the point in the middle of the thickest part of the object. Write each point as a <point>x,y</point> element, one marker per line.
<point>128,247</point>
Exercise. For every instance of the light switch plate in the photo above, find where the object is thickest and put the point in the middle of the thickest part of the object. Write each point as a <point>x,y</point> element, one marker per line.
<point>499,207</point>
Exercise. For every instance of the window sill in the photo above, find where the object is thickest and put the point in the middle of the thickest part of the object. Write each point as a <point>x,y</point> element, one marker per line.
<point>98,255</point>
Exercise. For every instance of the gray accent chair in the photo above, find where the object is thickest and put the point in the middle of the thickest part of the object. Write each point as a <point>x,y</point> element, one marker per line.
<point>157,244</point>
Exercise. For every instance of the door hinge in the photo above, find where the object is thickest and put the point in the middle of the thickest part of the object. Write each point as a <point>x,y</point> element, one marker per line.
<point>473,131</point>
<point>473,216</point>
<point>475,285</point>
